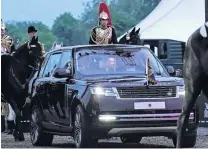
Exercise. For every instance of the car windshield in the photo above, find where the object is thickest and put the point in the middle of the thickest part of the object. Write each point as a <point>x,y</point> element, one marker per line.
<point>115,62</point>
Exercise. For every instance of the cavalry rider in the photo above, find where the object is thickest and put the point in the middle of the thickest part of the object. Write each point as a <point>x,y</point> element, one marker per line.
<point>7,46</point>
<point>104,33</point>
<point>31,33</point>
<point>7,43</point>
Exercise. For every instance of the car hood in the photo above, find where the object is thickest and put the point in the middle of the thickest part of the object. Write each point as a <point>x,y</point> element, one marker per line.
<point>162,81</point>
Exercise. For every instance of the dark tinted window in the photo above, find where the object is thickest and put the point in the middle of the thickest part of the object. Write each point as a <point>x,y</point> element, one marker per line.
<point>43,65</point>
<point>65,59</point>
<point>52,64</point>
<point>163,51</point>
<point>107,62</point>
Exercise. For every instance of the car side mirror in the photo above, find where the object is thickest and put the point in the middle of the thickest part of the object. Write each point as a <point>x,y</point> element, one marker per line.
<point>171,70</point>
<point>62,73</point>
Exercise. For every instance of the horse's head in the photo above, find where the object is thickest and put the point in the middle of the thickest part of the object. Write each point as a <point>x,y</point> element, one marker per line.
<point>35,51</point>
<point>55,45</point>
<point>134,37</point>
<point>131,38</point>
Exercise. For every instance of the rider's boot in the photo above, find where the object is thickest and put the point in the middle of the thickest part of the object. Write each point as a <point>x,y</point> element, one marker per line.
<point>3,127</point>
<point>21,136</point>
<point>16,136</point>
<point>10,127</point>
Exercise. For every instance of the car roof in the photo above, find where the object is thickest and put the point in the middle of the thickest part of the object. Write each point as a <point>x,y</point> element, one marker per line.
<point>98,46</point>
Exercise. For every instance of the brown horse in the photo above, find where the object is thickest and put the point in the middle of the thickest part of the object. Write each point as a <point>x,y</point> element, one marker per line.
<point>195,69</point>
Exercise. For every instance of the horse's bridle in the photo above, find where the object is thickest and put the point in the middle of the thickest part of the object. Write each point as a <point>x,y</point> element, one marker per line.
<point>27,80</point>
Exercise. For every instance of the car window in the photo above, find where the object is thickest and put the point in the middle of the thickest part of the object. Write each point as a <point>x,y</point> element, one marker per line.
<point>65,59</point>
<point>43,65</point>
<point>52,64</point>
<point>109,62</point>
<point>163,51</point>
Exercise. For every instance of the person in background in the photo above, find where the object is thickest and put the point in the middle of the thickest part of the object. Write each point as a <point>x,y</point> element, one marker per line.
<point>31,33</point>
<point>110,64</point>
<point>178,73</point>
<point>17,43</point>
<point>7,43</point>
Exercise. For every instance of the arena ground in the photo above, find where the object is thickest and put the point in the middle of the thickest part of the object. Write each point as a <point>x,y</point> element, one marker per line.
<point>7,141</point>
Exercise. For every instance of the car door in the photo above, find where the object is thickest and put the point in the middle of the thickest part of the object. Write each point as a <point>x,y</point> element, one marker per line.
<point>37,86</point>
<point>58,91</point>
<point>44,88</point>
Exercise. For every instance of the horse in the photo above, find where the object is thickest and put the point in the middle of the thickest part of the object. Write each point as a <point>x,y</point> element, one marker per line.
<point>131,38</point>
<point>55,45</point>
<point>17,69</point>
<point>195,71</point>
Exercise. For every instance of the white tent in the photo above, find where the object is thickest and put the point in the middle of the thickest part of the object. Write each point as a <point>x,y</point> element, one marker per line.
<point>173,19</point>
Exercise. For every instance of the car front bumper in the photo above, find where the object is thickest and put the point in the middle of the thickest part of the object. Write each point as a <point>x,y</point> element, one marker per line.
<point>143,124</point>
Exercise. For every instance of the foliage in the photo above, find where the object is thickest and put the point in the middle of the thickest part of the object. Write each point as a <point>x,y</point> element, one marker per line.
<point>66,28</point>
<point>18,30</point>
<point>71,31</point>
<point>125,14</point>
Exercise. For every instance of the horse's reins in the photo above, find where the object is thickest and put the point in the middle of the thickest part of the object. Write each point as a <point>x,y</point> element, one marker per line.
<point>2,97</point>
<point>27,80</point>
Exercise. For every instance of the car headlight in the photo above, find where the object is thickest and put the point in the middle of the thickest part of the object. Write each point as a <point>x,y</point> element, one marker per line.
<point>107,118</point>
<point>103,91</point>
<point>181,90</point>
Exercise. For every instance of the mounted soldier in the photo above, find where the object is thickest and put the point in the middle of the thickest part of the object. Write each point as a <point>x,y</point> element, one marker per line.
<point>7,47</point>
<point>104,33</point>
<point>32,33</point>
<point>16,72</point>
<point>7,43</point>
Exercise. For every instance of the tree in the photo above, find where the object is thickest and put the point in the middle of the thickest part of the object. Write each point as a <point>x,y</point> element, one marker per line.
<point>69,30</point>
<point>18,30</point>
<point>125,14</point>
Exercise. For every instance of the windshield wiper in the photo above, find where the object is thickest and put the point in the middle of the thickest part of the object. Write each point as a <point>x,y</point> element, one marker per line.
<point>95,79</point>
<point>125,77</point>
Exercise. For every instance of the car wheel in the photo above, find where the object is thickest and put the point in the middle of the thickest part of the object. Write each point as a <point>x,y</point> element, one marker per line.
<point>82,137</point>
<point>131,139</point>
<point>189,142</point>
<point>37,136</point>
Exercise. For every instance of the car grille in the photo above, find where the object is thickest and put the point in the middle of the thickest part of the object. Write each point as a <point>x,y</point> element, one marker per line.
<point>143,92</point>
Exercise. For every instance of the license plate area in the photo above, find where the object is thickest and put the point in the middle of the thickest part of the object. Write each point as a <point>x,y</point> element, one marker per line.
<point>149,105</point>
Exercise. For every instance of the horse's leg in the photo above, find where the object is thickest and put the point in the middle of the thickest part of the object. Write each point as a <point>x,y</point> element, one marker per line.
<point>193,86</point>
<point>18,134</point>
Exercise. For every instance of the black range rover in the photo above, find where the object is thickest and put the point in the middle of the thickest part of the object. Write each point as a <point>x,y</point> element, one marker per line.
<point>97,91</point>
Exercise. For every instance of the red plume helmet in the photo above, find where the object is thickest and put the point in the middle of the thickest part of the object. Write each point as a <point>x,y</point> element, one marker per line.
<point>104,12</point>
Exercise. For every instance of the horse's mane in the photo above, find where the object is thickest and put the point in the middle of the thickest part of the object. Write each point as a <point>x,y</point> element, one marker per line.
<point>22,46</point>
